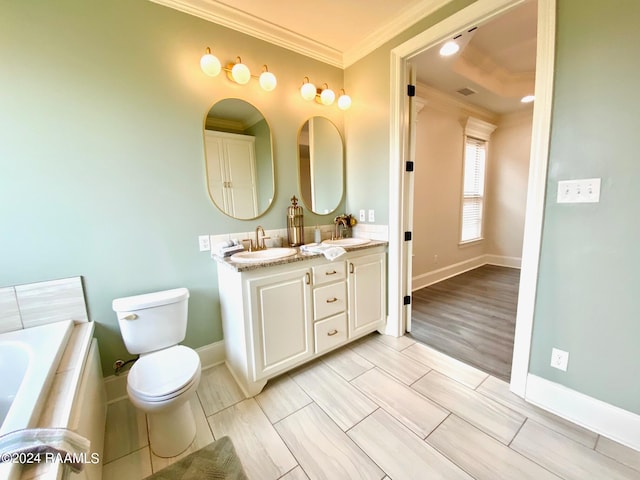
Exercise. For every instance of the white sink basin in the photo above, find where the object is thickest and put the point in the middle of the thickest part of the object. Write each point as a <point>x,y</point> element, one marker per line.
<point>263,255</point>
<point>347,242</point>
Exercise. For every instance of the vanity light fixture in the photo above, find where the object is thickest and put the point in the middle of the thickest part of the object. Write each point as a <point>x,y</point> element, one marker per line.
<point>324,95</point>
<point>237,71</point>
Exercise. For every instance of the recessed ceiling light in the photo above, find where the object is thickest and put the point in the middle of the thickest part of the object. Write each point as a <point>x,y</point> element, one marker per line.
<point>528,99</point>
<point>449,48</point>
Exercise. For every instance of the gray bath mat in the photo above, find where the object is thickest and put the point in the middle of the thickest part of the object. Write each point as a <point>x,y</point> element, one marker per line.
<point>216,461</point>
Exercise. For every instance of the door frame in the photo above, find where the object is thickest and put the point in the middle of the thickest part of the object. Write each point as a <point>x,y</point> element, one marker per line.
<point>399,208</point>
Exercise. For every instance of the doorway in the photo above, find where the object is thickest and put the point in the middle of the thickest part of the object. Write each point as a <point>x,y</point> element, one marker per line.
<point>401,180</point>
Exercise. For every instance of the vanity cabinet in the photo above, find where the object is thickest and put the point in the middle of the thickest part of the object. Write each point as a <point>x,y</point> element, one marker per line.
<point>276,317</point>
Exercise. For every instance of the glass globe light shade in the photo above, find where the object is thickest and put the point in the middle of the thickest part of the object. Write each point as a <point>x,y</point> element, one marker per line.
<point>267,81</point>
<point>327,96</point>
<point>240,73</point>
<point>344,102</point>
<point>210,64</point>
<point>308,91</point>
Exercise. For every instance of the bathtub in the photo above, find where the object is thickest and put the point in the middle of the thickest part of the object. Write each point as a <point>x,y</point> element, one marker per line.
<point>28,362</point>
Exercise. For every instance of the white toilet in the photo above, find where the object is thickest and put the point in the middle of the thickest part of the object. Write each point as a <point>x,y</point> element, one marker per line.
<point>166,375</point>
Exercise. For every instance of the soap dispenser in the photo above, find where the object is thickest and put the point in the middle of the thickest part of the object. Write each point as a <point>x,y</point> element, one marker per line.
<point>295,223</point>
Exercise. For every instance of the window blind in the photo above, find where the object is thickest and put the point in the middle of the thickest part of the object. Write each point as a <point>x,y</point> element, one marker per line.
<point>473,190</point>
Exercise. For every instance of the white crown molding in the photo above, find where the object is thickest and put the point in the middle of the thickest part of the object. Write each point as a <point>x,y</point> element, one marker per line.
<point>394,27</point>
<point>226,16</point>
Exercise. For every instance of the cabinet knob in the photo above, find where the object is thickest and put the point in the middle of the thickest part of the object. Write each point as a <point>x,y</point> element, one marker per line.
<point>332,300</point>
<point>332,332</point>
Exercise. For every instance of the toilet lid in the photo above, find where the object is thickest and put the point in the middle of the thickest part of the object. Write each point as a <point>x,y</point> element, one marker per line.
<point>161,373</point>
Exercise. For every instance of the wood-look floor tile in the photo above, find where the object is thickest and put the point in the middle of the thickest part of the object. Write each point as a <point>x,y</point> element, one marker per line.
<point>347,363</point>
<point>262,452</point>
<point>323,450</point>
<point>135,466</point>
<point>203,438</point>
<point>125,431</point>
<point>567,458</point>
<point>499,391</point>
<point>452,368</point>
<point>399,452</point>
<point>621,453</point>
<point>343,402</point>
<point>397,343</point>
<point>391,361</point>
<point>409,407</point>
<point>218,389</point>
<point>295,474</point>
<point>488,415</point>
<point>281,397</point>
<point>482,456</point>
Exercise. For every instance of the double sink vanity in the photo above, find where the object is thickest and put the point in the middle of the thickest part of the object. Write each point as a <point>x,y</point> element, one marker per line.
<point>282,307</point>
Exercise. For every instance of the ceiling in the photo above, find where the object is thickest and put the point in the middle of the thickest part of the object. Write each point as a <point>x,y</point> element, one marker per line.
<point>497,62</point>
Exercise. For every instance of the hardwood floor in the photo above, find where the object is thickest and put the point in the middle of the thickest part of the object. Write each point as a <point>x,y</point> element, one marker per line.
<point>405,412</point>
<point>471,317</point>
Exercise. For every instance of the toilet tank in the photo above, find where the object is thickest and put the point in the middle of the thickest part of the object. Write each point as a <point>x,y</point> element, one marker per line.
<point>152,321</point>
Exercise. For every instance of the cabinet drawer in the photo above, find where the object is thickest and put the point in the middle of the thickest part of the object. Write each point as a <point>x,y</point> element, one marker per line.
<point>330,333</point>
<point>329,273</point>
<point>329,300</point>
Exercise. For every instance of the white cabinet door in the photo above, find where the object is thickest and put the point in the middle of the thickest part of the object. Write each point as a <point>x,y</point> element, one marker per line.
<point>367,295</point>
<point>282,323</point>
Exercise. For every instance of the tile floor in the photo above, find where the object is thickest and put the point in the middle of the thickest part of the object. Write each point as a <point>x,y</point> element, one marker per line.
<point>380,408</point>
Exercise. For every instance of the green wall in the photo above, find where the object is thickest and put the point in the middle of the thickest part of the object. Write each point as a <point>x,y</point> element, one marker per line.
<point>587,301</point>
<point>102,170</point>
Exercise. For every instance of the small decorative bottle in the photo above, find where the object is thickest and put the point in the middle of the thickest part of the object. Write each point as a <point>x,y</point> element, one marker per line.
<point>295,223</point>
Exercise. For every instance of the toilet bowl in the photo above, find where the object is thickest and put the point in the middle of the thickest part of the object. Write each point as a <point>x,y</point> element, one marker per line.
<point>165,377</point>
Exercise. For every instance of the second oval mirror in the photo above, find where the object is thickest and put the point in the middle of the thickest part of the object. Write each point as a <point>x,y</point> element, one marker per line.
<point>320,165</point>
<point>239,156</point>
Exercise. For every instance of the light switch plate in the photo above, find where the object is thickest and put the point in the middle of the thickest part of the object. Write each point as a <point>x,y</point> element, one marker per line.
<point>362,216</point>
<point>585,190</point>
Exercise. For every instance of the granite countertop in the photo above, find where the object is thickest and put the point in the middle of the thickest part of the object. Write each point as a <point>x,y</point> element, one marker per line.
<point>298,257</point>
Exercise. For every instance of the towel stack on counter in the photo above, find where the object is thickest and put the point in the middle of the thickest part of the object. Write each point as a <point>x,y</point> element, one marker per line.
<point>227,248</point>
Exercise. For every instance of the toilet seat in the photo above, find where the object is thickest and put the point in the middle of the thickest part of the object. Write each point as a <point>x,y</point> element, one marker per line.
<point>165,374</point>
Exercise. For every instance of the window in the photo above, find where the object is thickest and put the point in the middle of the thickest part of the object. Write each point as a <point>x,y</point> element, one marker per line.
<point>473,189</point>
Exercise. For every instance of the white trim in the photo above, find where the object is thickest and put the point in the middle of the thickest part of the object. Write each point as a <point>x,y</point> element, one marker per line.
<point>534,211</point>
<point>210,355</point>
<point>230,17</point>
<point>435,276</point>
<point>479,129</point>
<point>610,421</point>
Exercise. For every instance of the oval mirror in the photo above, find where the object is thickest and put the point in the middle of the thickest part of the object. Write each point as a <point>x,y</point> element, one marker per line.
<point>320,165</point>
<point>239,156</point>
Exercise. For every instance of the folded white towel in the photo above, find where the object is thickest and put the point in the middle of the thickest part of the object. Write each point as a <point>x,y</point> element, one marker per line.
<point>330,252</point>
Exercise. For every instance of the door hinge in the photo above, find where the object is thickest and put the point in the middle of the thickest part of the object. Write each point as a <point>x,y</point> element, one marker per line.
<point>411,90</point>
<point>407,300</point>
<point>407,236</point>
<point>409,166</point>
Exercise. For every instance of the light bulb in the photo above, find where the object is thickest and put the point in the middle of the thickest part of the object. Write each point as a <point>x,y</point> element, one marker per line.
<point>240,72</point>
<point>327,96</point>
<point>210,64</point>
<point>267,80</point>
<point>344,101</point>
<point>449,48</point>
<point>308,90</point>
<point>528,99</point>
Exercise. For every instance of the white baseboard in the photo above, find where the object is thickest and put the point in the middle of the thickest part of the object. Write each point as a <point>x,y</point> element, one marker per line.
<point>210,355</point>
<point>435,276</point>
<point>608,420</point>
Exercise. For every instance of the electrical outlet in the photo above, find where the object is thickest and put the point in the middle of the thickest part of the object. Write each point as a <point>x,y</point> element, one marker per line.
<point>372,215</point>
<point>559,359</point>
<point>362,216</point>
<point>205,243</point>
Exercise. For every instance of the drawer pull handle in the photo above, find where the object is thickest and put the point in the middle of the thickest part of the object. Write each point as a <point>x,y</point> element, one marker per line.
<point>332,300</point>
<point>332,333</point>
<point>332,272</point>
<point>308,278</point>
<point>350,267</point>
